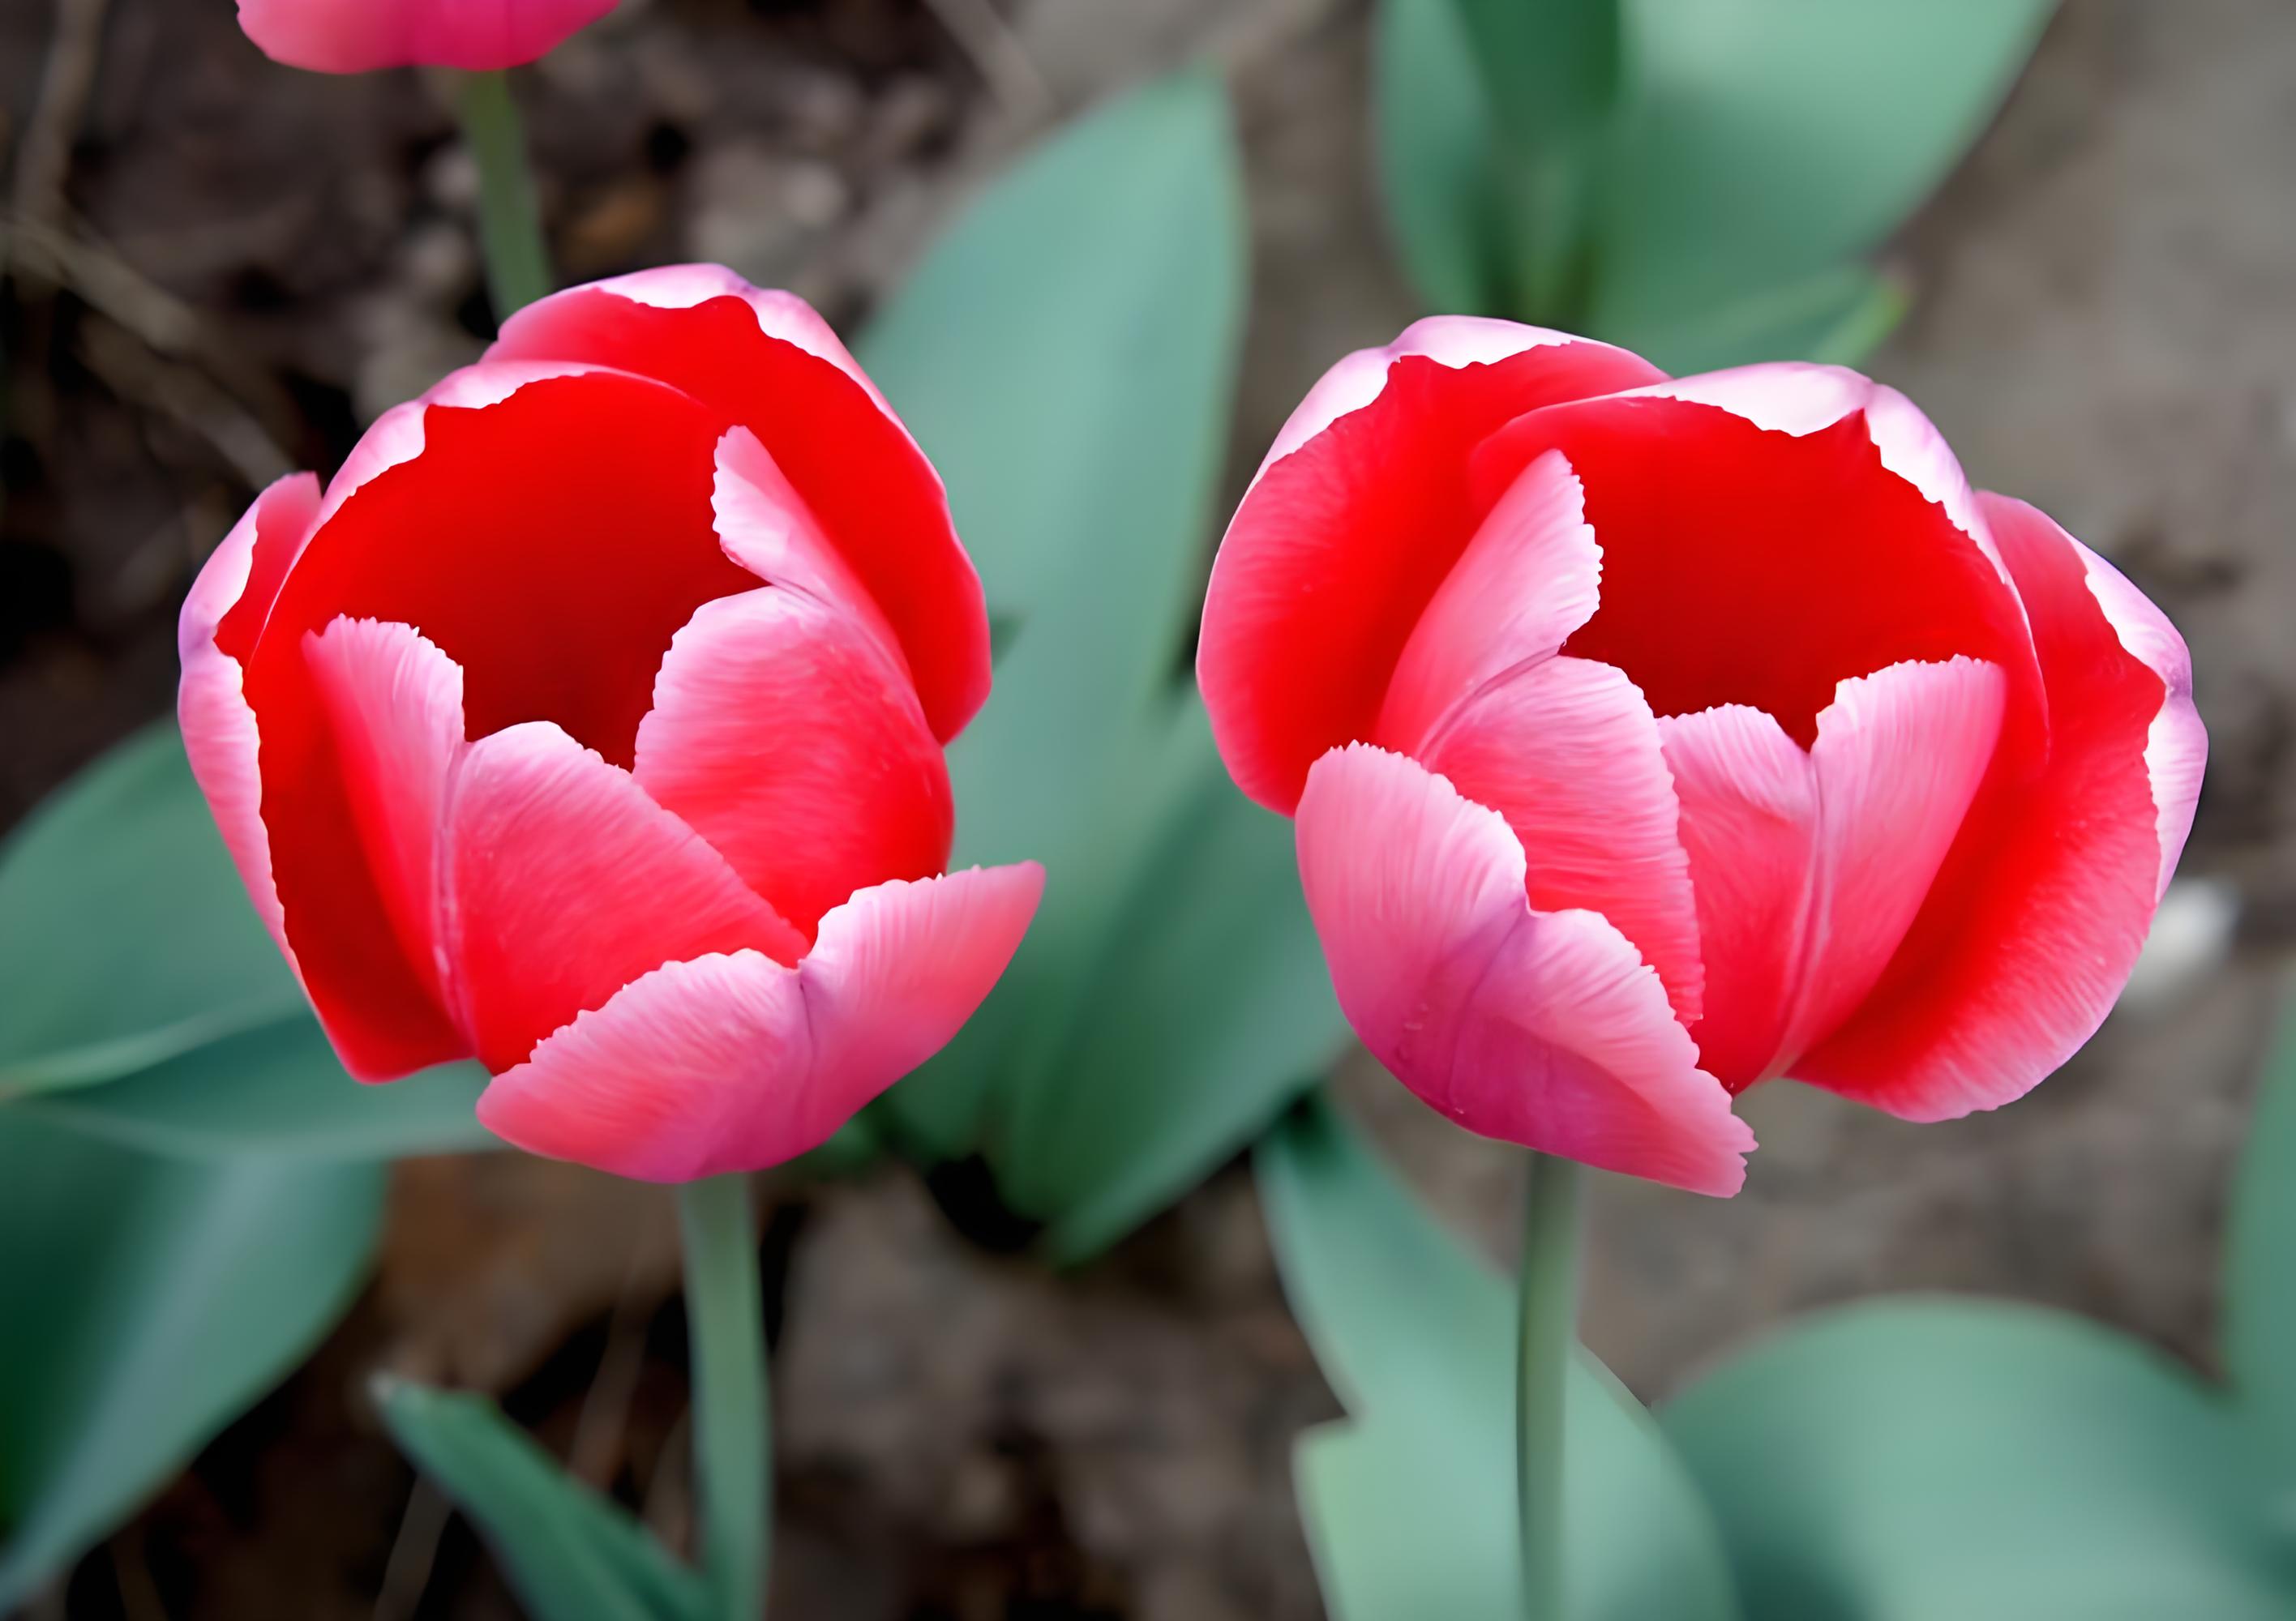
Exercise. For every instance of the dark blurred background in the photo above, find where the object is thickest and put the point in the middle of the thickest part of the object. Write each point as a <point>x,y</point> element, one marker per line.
<point>218,270</point>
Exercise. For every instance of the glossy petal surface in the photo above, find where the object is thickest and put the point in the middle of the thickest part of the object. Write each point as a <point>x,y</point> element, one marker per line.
<point>765,361</point>
<point>735,1062</point>
<point>1541,1027</point>
<point>1352,527</point>
<point>361,36</point>
<point>2036,920</point>
<point>561,882</point>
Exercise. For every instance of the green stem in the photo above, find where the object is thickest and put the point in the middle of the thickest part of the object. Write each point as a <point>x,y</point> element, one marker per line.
<point>510,220</point>
<point>1548,1338</point>
<point>732,1442</point>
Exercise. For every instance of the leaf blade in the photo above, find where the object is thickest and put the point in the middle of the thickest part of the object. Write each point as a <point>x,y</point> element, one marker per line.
<point>1410,1502</point>
<point>274,1090</point>
<point>1768,140</point>
<point>1065,355</point>
<point>179,957</point>
<point>142,1304</point>
<point>1982,1460</point>
<point>570,1554</point>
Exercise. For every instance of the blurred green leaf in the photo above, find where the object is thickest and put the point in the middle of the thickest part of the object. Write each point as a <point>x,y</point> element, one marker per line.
<point>1438,159</point>
<point>1410,1504</point>
<point>1840,316</point>
<point>1552,66</point>
<point>2259,1284</point>
<point>1066,356</point>
<point>126,937</point>
<point>1910,1460</point>
<point>570,1554</point>
<point>1209,1007</point>
<point>1765,141</point>
<point>277,1089</point>
<point>143,1303</point>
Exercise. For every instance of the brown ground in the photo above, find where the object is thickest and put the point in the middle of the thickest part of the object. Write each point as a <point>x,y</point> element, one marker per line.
<point>2106,326</point>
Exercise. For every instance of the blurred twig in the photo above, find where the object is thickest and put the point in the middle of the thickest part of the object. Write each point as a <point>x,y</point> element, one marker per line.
<point>44,159</point>
<point>598,1447</point>
<point>178,369</point>
<point>413,1551</point>
<point>998,54</point>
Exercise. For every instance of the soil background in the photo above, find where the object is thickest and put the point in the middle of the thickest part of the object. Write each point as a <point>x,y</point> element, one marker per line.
<point>223,268</point>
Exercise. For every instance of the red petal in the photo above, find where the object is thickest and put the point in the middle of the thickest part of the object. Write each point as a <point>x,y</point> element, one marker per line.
<point>394,706</point>
<point>1543,1028</point>
<point>561,882</point>
<point>2032,927</point>
<point>1810,868</point>
<point>1765,565</point>
<point>1568,753</point>
<point>733,1063</point>
<point>763,360</point>
<point>1749,821</point>
<point>1530,576</point>
<point>1352,526</point>
<point>221,618</point>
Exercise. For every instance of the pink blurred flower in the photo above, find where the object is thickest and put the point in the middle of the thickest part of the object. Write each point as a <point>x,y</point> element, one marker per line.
<point>590,722</point>
<point>361,35</point>
<point>1650,739</point>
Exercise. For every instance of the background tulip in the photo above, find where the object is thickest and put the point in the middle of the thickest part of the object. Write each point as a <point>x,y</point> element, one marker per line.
<point>1650,739</point>
<point>361,36</point>
<point>591,721</point>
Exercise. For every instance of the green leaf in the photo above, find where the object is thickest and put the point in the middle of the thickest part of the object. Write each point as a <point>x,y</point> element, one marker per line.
<point>1410,1505</point>
<point>126,937</point>
<point>1210,1009</point>
<point>1553,67</point>
<point>1910,1460</point>
<point>1840,316</point>
<point>1766,141</point>
<point>1066,356</point>
<point>277,1089</point>
<point>570,1554</point>
<point>143,1303</point>
<point>1438,162</point>
<point>2260,1285</point>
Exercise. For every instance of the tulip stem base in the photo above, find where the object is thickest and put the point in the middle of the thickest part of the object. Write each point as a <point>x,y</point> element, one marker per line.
<point>733,1443</point>
<point>1548,1339</point>
<point>510,219</point>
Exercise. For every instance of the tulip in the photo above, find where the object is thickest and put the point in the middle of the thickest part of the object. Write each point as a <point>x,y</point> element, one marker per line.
<point>1648,738</point>
<point>362,36</point>
<point>590,722</point>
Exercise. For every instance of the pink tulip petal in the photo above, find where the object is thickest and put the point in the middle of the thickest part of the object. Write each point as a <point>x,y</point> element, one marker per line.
<point>395,705</point>
<point>1898,758</point>
<point>2033,925</point>
<point>561,882</point>
<point>1351,528</point>
<point>1810,868</point>
<point>1458,341</point>
<point>733,1063</point>
<point>766,362</point>
<point>787,736</point>
<point>1531,576</point>
<point>1724,542</point>
<point>2177,745</point>
<point>766,527</point>
<point>1540,1027</point>
<point>362,36</point>
<point>1568,753</point>
<point>1749,821</point>
<point>221,618</point>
